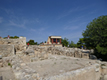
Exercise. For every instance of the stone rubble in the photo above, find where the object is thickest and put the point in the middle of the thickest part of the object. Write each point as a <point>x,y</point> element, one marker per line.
<point>42,52</point>
<point>13,51</point>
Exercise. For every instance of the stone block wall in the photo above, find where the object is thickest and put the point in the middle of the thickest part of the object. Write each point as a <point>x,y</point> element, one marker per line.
<point>6,50</point>
<point>19,44</point>
<point>72,52</point>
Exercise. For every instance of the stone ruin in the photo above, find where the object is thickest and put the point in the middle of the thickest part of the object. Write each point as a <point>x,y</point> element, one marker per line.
<point>19,60</point>
<point>12,46</point>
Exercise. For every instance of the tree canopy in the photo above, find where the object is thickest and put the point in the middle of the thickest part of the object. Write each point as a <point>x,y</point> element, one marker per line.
<point>95,36</point>
<point>31,42</point>
<point>12,37</point>
<point>80,43</point>
<point>65,42</point>
<point>72,44</point>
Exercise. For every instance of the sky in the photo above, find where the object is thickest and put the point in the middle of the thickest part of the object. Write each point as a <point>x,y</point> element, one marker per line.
<point>38,19</point>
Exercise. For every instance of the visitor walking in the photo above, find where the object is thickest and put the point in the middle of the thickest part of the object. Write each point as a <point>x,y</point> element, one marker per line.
<point>82,46</point>
<point>27,45</point>
<point>8,36</point>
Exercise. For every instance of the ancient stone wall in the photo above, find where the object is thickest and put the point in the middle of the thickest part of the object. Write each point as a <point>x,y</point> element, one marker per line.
<point>72,52</point>
<point>9,47</point>
<point>96,71</point>
<point>6,50</point>
<point>88,73</point>
<point>19,44</point>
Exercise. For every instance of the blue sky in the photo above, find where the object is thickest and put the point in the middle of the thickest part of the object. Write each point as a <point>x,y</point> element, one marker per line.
<point>38,19</point>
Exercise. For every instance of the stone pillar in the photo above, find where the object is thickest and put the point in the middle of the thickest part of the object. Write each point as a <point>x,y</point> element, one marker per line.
<point>60,41</point>
<point>52,41</point>
<point>56,41</point>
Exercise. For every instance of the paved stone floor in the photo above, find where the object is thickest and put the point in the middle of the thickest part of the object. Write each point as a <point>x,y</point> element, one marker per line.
<point>56,65</point>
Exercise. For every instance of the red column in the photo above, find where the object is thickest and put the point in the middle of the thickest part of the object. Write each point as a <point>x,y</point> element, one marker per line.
<point>60,41</point>
<point>56,41</point>
<point>52,41</point>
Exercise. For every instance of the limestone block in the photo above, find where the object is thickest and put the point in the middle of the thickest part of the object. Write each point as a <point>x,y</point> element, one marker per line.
<point>1,64</point>
<point>93,57</point>
<point>77,54</point>
<point>0,56</point>
<point>71,54</point>
<point>85,55</point>
<point>6,50</point>
<point>29,51</point>
<point>105,77</point>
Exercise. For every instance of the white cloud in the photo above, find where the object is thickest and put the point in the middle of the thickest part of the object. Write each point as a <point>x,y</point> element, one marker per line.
<point>80,8</point>
<point>68,13</point>
<point>39,31</point>
<point>71,27</point>
<point>73,35</point>
<point>33,30</point>
<point>8,11</point>
<point>21,25</point>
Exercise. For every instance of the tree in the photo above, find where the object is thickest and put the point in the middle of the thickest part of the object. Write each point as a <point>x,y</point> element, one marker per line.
<point>36,43</point>
<point>95,36</point>
<point>31,42</point>
<point>72,44</point>
<point>80,43</point>
<point>11,37</point>
<point>15,37</point>
<point>64,42</point>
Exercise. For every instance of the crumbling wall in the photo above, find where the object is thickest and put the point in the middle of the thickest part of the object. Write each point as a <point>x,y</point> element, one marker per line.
<point>6,50</point>
<point>19,44</point>
<point>72,52</point>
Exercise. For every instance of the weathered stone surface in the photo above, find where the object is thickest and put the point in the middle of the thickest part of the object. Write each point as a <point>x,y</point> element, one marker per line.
<point>105,77</point>
<point>6,50</point>
<point>93,57</point>
<point>19,44</point>
<point>0,56</point>
<point>35,53</point>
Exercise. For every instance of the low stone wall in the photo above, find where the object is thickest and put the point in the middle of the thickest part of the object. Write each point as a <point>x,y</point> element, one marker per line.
<point>22,71</point>
<point>51,45</point>
<point>92,72</point>
<point>6,50</point>
<point>72,52</point>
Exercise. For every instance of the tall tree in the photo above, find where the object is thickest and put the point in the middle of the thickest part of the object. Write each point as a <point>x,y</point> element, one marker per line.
<point>31,42</point>
<point>95,36</point>
<point>72,44</point>
<point>80,43</point>
<point>65,42</point>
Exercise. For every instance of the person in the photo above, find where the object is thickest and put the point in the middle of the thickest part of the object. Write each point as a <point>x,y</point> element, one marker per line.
<point>82,46</point>
<point>8,36</point>
<point>27,45</point>
<point>68,45</point>
<point>85,47</point>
